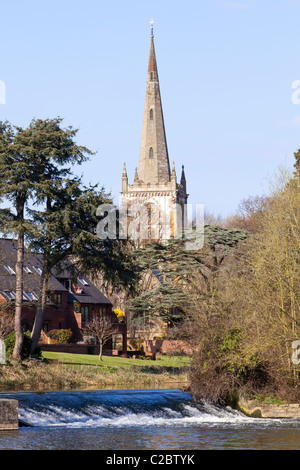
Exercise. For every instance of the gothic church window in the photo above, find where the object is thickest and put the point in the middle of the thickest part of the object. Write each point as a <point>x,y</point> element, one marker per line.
<point>151,114</point>
<point>150,152</point>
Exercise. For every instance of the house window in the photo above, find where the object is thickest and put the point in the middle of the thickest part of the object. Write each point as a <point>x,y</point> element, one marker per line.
<point>57,299</point>
<point>150,152</point>
<point>31,295</point>
<point>103,310</point>
<point>10,295</point>
<point>45,327</point>
<point>9,269</point>
<point>66,283</point>
<point>151,114</point>
<point>84,310</point>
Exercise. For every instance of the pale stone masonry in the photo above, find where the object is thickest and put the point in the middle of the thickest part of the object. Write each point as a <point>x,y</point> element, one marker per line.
<point>9,414</point>
<point>262,410</point>
<point>155,185</point>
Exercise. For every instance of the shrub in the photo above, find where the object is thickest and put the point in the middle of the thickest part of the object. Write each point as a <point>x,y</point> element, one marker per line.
<point>61,336</point>
<point>10,344</point>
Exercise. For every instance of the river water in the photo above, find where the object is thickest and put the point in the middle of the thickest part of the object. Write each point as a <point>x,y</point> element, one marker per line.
<point>166,419</point>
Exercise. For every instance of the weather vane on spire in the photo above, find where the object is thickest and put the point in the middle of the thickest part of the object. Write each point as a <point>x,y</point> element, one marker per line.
<point>151,23</point>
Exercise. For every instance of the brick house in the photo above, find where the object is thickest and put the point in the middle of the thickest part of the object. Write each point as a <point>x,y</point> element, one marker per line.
<point>72,302</point>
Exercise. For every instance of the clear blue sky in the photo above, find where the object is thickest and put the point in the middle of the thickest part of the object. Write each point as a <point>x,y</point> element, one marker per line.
<point>226,70</point>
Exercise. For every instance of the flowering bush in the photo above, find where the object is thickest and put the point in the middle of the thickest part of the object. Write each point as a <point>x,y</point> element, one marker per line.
<point>120,314</point>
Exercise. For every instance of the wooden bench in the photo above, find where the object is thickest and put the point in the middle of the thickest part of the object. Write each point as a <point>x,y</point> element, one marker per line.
<point>141,355</point>
<point>136,353</point>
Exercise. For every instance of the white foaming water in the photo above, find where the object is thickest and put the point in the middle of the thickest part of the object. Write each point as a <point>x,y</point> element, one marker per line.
<point>142,408</point>
<point>98,416</point>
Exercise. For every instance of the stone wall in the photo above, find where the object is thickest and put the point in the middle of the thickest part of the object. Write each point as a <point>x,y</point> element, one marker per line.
<point>167,346</point>
<point>74,348</point>
<point>262,410</point>
<point>9,414</point>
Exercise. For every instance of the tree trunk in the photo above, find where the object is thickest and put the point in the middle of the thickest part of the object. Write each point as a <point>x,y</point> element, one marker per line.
<point>100,351</point>
<point>17,352</point>
<point>39,317</point>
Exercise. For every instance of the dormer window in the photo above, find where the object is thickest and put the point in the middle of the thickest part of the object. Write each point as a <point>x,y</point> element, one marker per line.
<point>38,270</point>
<point>31,295</point>
<point>150,152</point>
<point>9,269</point>
<point>11,295</point>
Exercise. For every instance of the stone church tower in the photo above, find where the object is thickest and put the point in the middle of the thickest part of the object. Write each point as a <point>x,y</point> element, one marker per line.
<point>155,189</point>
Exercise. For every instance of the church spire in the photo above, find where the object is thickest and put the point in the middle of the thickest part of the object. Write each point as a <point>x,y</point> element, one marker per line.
<point>152,66</point>
<point>124,179</point>
<point>155,183</point>
<point>182,179</point>
<point>154,166</point>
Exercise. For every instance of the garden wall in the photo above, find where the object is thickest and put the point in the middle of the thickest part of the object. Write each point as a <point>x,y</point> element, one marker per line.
<point>76,349</point>
<point>167,346</point>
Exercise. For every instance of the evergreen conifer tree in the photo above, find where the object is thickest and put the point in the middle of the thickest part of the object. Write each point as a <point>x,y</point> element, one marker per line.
<point>52,210</point>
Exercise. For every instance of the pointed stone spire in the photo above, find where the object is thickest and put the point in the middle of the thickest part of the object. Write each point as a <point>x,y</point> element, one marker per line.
<point>173,175</point>
<point>152,66</point>
<point>154,164</point>
<point>124,179</point>
<point>136,176</point>
<point>182,179</point>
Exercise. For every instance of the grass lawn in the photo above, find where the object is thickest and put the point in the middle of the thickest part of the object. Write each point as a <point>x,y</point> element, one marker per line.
<point>66,371</point>
<point>116,362</point>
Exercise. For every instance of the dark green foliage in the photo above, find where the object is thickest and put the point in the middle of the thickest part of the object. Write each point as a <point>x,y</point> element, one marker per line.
<point>10,344</point>
<point>297,158</point>
<point>171,266</point>
<point>112,258</point>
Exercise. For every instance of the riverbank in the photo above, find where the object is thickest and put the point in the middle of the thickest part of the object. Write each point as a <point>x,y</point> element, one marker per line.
<point>58,371</point>
<point>258,409</point>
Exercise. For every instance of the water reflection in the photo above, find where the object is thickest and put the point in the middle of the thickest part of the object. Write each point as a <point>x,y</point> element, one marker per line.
<point>188,438</point>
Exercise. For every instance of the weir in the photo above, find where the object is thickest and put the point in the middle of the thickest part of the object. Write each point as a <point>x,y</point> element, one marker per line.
<point>109,409</point>
<point>139,420</point>
<point>9,411</point>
